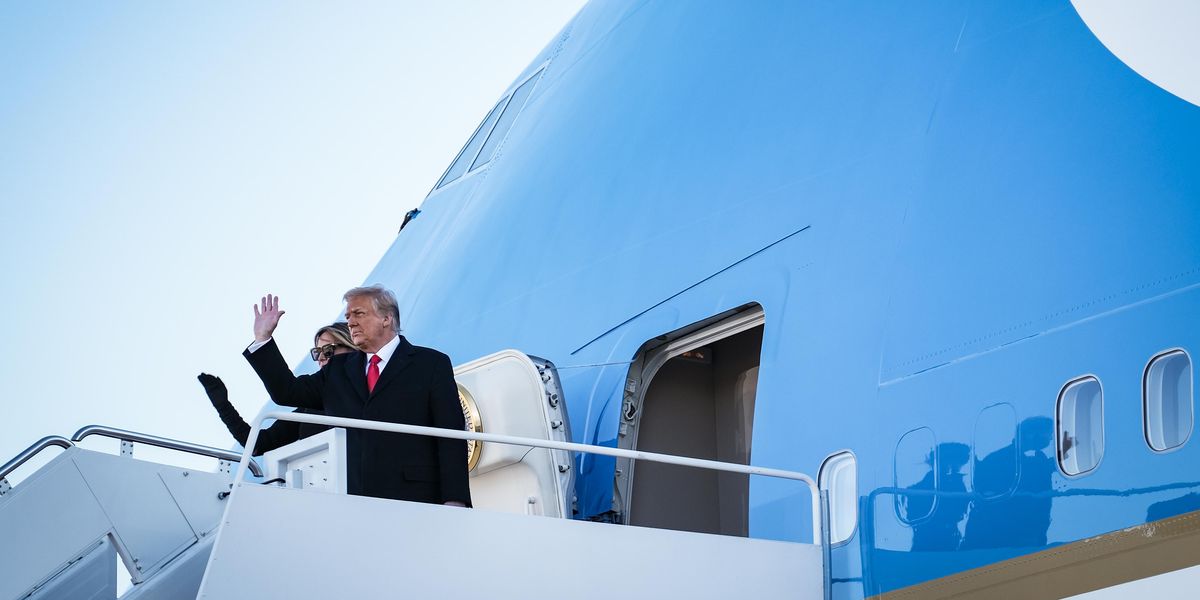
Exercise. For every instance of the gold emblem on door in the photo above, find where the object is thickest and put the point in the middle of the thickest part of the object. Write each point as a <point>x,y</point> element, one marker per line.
<point>474,425</point>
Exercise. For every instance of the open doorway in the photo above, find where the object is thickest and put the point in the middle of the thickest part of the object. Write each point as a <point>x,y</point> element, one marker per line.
<point>691,393</point>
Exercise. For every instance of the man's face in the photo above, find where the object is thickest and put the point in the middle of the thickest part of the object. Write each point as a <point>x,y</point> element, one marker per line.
<point>368,330</point>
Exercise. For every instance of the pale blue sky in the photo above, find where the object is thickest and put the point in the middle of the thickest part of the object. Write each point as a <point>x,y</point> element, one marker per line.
<point>164,164</point>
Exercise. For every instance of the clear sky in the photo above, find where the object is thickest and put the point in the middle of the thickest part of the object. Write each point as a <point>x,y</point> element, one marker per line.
<point>163,165</point>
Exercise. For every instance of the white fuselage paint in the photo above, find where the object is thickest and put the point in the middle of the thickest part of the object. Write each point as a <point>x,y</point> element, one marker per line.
<point>1158,39</point>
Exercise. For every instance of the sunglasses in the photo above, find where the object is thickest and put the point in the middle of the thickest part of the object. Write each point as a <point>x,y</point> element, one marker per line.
<point>325,351</point>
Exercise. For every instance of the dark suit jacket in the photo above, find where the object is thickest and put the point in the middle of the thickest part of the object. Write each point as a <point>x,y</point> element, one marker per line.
<point>416,387</point>
<point>278,435</point>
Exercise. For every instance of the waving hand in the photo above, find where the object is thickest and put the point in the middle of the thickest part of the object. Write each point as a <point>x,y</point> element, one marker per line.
<point>266,317</point>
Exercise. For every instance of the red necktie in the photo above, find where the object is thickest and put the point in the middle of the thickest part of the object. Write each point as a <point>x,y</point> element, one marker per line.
<point>373,373</point>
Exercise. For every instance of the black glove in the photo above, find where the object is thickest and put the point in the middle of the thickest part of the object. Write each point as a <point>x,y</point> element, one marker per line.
<point>219,396</point>
<point>216,390</point>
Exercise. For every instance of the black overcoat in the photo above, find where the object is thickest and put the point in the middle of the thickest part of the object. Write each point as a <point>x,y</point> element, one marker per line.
<point>416,387</point>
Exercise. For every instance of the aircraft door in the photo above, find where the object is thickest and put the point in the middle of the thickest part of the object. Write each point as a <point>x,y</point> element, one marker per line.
<point>511,393</point>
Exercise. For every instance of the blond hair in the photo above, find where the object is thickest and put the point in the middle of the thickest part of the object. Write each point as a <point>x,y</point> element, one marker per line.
<point>339,331</point>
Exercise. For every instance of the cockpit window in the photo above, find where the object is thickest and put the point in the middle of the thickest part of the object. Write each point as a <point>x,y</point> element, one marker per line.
<point>481,148</point>
<point>506,120</point>
<point>468,152</point>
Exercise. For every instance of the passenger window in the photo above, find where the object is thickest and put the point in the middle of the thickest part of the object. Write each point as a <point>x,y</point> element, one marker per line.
<point>914,474</point>
<point>994,460</point>
<point>506,121</point>
<point>1080,425</point>
<point>1167,400</point>
<point>839,476</point>
<point>459,166</point>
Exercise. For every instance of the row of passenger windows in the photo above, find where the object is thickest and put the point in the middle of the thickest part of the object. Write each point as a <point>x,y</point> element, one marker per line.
<point>487,137</point>
<point>1002,447</point>
<point>1167,413</point>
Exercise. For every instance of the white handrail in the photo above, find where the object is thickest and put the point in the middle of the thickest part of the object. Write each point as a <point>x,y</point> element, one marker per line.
<point>535,443</point>
<point>30,452</point>
<point>162,442</point>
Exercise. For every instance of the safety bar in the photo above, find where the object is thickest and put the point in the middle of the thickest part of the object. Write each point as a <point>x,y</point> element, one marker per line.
<point>30,452</point>
<point>535,443</point>
<point>170,444</point>
<point>820,500</point>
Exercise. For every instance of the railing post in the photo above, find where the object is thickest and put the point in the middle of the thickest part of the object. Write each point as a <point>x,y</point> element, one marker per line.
<point>247,451</point>
<point>826,551</point>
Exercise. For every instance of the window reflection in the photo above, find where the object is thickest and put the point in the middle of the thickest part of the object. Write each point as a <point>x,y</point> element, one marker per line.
<point>1167,400</point>
<point>1021,519</point>
<point>940,531</point>
<point>914,470</point>
<point>994,466</point>
<point>1080,426</point>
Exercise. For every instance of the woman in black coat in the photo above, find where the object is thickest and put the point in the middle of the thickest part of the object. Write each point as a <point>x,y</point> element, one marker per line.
<point>328,341</point>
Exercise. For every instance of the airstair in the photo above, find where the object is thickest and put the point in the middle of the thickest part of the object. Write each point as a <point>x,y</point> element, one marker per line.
<point>68,525</point>
<point>181,533</point>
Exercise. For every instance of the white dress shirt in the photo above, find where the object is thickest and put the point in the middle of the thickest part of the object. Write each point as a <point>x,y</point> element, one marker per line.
<point>385,354</point>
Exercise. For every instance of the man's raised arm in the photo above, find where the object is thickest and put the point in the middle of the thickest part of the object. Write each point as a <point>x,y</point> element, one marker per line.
<point>284,387</point>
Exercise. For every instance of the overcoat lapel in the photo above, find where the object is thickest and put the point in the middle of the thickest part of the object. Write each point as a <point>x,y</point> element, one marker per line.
<point>401,358</point>
<point>356,370</point>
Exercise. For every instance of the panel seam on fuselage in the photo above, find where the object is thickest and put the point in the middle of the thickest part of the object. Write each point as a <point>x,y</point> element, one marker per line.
<point>1051,330</point>
<point>693,285</point>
